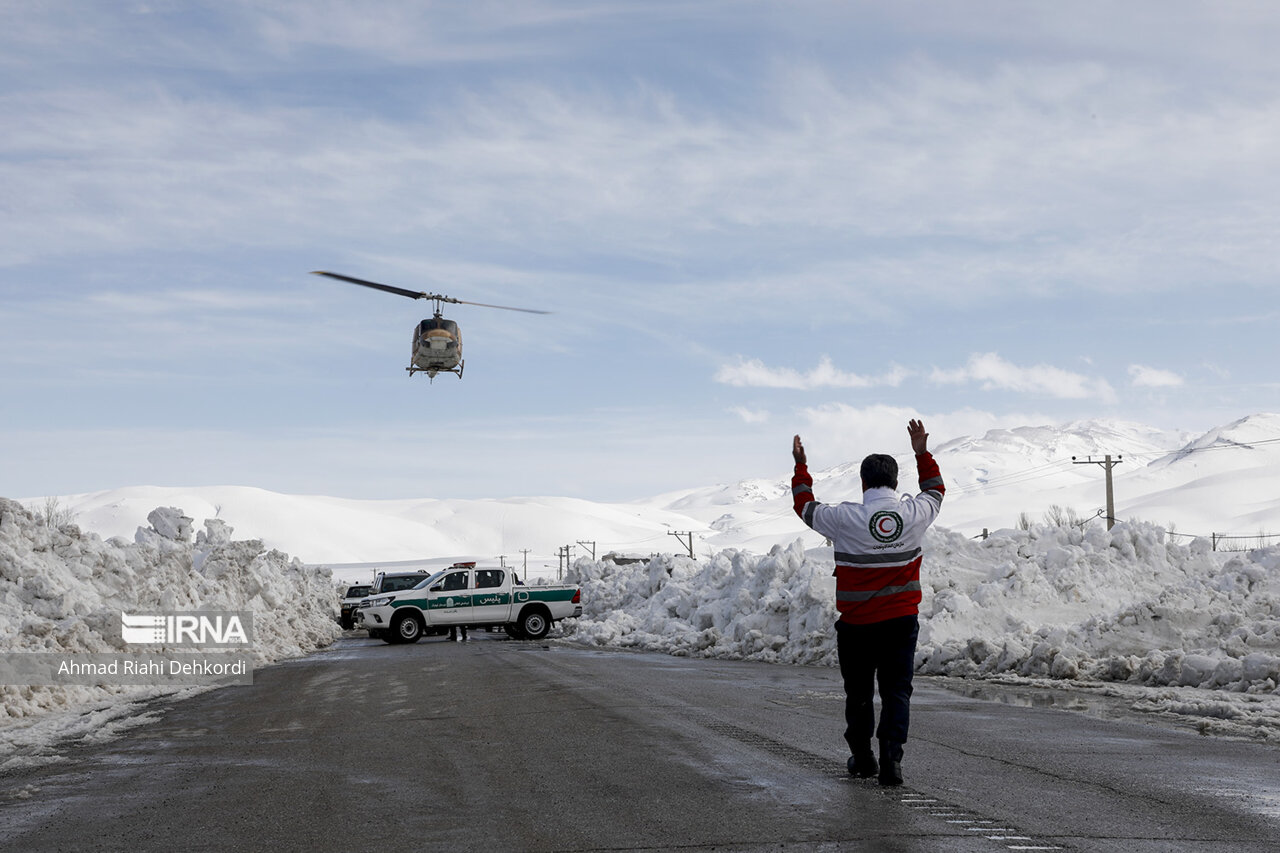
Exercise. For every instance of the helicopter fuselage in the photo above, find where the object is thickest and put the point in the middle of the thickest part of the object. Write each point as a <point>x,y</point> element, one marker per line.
<point>437,347</point>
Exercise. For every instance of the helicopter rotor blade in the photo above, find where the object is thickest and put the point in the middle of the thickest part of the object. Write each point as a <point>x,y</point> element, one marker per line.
<point>420,294</point>
<point>487,305</point>
<point>399,291</point>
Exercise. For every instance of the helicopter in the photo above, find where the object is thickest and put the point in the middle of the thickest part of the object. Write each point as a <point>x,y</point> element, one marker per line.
<point>437,342</point>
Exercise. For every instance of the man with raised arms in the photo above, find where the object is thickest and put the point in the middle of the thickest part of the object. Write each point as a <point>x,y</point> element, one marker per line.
<point>878,554</point>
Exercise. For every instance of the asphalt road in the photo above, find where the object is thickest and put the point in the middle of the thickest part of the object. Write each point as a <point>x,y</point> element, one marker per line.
<point>502,745</point>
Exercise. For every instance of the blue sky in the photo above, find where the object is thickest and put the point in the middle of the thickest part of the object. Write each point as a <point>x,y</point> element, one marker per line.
<point>748,219</point>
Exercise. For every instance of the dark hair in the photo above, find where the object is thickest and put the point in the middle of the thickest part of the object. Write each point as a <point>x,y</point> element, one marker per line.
<point>879,469</point>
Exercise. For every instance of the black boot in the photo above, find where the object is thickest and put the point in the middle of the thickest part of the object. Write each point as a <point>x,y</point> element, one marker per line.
<point>890,763</point>
<point>862,764</point>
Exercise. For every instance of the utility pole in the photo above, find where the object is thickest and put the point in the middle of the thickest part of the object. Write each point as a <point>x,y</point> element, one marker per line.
<point>590,546</point>
<point>524,573</point>
<point>1107,464</point>
<point>688,545</point>
<point>566,556</point>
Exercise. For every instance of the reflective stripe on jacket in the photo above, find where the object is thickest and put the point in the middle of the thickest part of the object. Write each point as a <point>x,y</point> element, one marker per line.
<point>877,542</point>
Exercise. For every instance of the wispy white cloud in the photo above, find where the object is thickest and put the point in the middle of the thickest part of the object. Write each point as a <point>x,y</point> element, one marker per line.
<point>184,301</point>
<point>416,33</point>
<point>989,370</point>
<point>1143,376</point>
<point>995,373</point>
<point>753,373</point>
<point>751,416</point>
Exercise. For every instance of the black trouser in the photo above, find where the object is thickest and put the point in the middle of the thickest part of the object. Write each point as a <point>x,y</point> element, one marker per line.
<point>883,652</point>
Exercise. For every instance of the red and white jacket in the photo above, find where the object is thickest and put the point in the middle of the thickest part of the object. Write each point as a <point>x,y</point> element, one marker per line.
<point>877,543</point>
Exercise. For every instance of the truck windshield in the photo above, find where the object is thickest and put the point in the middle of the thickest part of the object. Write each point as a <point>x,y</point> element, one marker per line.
<point>429,580</point>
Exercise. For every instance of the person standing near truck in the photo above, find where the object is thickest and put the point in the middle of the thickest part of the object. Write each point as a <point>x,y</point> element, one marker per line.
<point>878,556</point>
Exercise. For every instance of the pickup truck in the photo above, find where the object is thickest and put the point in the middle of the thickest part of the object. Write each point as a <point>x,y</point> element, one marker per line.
<point>476,598</point>
<point>350,601</point>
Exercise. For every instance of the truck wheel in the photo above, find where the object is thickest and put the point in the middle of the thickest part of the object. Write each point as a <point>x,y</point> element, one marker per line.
<point>406,628</point>
<point>534,623</point>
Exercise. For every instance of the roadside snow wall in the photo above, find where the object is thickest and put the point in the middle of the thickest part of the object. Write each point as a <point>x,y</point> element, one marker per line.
<point>63,591</point>
<point>1121,606</point>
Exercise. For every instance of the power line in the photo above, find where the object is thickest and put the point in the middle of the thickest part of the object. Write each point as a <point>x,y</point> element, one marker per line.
<point>641,541</point>
<point>1187,451</point>
<point>1215,538</point>
<point>1027,475</point>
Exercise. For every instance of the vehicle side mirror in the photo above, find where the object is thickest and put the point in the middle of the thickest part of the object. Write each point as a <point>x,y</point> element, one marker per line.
<point>437,588</point>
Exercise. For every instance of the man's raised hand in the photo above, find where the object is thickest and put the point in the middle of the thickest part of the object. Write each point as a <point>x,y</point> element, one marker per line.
<point>919,438</point>
<point>797,451</point>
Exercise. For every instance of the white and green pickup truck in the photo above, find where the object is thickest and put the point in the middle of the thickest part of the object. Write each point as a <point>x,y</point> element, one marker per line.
<point>476,598</point>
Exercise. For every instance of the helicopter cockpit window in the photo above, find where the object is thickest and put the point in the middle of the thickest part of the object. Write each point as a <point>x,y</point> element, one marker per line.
<point>438,325</point>
<point>488,578</point>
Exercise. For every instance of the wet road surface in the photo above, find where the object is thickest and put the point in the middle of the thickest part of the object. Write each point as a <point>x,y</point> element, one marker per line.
<point>498,744</point>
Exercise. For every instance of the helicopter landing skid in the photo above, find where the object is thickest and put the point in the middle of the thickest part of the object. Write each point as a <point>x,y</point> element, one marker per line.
<point>432,371</point>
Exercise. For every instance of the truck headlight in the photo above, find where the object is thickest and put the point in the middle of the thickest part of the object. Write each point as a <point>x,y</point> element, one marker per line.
<point>382,602</point>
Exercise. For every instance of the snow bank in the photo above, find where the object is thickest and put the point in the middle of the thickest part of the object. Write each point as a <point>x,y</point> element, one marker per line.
<point>1125,606</point>
<point>776,608</point>
<point>63,591</point>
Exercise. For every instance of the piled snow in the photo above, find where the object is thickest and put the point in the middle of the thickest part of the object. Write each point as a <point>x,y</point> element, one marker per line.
<point>1128,607</point>
<point>776,608</point>
<point>63,591</point>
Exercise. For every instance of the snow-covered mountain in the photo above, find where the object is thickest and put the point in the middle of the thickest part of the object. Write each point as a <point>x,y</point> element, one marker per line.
<point>340,531</point>
<point>1226,481</point>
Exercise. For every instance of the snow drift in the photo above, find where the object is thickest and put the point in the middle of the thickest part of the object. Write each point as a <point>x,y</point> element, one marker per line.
<point>62,591</point>
<point>1125,605</point>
